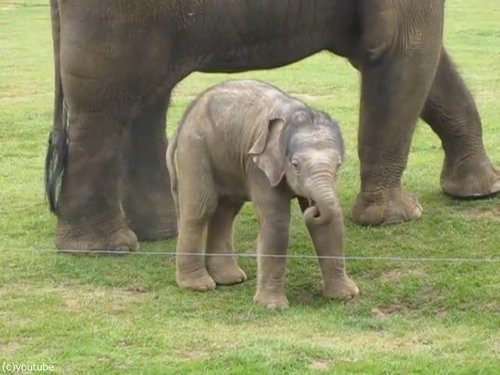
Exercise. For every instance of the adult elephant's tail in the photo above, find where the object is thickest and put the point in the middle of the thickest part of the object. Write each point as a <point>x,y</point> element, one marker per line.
<point>55,160</point>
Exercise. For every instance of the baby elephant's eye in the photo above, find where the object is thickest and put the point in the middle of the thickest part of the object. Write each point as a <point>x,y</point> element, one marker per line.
<point>295,165</point>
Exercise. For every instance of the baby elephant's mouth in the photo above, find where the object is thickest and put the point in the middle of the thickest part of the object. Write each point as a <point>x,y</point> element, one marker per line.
<point>314,209</point>
<point>313,215</point>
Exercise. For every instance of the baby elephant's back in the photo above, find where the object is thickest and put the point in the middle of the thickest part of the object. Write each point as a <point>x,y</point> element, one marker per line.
<point>243,102</point>
<point>231,114</point>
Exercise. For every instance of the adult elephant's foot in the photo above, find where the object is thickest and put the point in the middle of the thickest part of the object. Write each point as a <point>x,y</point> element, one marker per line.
<point>150,212</point>
<point>470,178</point>
<point>111,235</point>
<point>388,206</point>
<point>340,288</point>
<point>224,270</point>
<point>145,192</point>
<point>271,300</point>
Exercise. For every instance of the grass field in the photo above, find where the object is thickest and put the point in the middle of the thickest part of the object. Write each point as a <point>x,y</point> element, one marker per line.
<point>111,315</point>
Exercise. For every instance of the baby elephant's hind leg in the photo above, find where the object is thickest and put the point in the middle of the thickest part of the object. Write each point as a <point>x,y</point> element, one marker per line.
<point>220,261</point>
<point>197,202</point>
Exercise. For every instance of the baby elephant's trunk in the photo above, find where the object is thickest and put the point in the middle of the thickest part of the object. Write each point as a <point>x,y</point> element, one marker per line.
<point>325,203</point>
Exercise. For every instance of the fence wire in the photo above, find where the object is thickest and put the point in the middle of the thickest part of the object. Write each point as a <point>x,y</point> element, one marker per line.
<point>255,255</point>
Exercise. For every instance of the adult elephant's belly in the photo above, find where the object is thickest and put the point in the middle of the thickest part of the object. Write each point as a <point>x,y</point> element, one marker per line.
<point>265,54</point>
<point>261,34</point>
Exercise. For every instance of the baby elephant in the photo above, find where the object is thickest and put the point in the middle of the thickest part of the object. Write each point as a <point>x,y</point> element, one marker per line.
<point>246,140</point>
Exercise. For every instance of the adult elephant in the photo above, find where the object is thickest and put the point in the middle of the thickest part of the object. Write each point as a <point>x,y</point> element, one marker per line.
<point>116,63</point>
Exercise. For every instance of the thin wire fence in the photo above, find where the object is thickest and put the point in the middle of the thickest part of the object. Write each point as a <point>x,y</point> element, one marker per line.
<point>254,255</point>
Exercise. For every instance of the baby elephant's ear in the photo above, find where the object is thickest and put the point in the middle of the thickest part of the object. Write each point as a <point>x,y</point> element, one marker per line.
<point>266,153</point>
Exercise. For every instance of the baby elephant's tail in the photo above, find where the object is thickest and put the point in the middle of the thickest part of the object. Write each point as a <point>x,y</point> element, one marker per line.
<point>172,170</point>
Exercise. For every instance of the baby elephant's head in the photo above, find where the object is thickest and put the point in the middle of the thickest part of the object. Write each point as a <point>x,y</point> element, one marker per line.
<point>306,147</point>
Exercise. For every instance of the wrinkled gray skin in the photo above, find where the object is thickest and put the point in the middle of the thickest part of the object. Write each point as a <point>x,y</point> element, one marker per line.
<point>116,63</point>
<point>247,140</point>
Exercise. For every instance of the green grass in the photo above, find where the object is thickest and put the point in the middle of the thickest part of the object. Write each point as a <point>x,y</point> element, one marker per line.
<point>126,315</point>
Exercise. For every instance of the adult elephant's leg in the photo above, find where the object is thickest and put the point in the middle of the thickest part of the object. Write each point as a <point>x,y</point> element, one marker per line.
<point>146,196</point>
<point>452,114</point>
<point>220,261</point>
<point>88,210</point>
<point>402,53</point>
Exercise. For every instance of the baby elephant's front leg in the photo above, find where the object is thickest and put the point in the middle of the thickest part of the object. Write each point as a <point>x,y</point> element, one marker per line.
<point>328,244</point>
<point>328,240</point>
<point>271,252</point>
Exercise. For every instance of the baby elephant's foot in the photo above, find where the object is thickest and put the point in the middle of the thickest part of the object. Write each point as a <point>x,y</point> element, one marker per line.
<point>340,288</point>
<point>225,271</point>
<point>201,281</point>
<point>271,300</point>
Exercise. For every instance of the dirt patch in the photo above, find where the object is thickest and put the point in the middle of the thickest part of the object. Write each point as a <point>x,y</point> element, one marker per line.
<point>189,356</point>
<point>441,312</point>
<point>395,307</point>
<point>495,347</point>
<point>71,303</point>
<point>397,274</point>
<point>7,348</point>
<point>196,355</point>
<point>136,289</point>
<point>477,212</point>
<point>391,275</point>
<point>320,364</point>
<point>115,298</point>
<point>77,298</point>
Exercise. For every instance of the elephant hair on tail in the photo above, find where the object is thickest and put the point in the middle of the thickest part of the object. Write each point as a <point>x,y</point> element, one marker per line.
<point>55,160</point>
